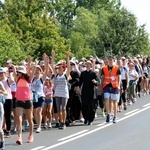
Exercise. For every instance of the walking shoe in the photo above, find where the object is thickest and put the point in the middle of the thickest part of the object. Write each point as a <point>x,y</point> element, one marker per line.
<point>114,120</point>
<point>49,125</point>
<point>57,125</point>
<point>2,144</point>
<point>125,107</point>
<point>82,120</point>
<point>23,128</point>
<point>8,134</point>
<point>30,139</point>
<point>108,118</point>
<point>90,123</point>
<point>63,126</point>
<point>19,141</point>
<point>38,130</point>
<point>45,126</point>
<point>85,121</point>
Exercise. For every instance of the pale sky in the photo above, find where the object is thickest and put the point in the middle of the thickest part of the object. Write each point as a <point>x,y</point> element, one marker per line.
<point>141,9</point>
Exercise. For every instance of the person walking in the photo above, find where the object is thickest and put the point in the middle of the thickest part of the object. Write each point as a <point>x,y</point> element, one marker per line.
<point>87,81</point>
<point>9,103</point>
<point>24,98</point>
<point>2,93</point>
<point>111,82</point>
<point>61,93</point>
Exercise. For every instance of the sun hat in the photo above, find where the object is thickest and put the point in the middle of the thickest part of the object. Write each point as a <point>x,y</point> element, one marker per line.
<point>22,69</point>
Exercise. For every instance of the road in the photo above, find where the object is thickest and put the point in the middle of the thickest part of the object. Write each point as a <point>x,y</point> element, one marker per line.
<point>131,132</point>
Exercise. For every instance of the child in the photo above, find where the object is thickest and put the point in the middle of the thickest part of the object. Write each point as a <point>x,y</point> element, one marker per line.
<point>47,111</point>
<point>2,93</point>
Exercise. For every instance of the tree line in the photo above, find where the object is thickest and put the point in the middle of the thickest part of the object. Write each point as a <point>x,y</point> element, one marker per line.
<point>84,27</point>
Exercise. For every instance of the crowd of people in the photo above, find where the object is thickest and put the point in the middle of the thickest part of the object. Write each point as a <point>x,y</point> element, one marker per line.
<point>36,92</point>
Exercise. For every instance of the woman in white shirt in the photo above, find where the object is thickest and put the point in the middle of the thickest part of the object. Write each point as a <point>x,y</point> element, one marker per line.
<point>133,78</point>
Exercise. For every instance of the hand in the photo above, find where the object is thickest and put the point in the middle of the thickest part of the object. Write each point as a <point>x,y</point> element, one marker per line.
<point>29,58</point>
<point>44,56</point>
<point>67,54</point>
<point>53,53</point>
<point>94,81</point>
<point>36,61</point>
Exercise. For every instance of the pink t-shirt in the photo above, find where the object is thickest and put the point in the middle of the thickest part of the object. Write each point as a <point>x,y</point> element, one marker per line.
<point>48,91</point>
<point>23,92</point>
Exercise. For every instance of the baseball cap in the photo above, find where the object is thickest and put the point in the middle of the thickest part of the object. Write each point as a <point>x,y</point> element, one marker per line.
<point>110,57</point>
<point>42,63</point>
<point>22,69</point>
<point>2,70</point>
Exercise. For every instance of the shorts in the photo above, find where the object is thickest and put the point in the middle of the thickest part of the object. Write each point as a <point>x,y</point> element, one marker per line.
<point>111,93</point>
<point>24,104</point>
<point>48,101</point>
<point>40,102</point>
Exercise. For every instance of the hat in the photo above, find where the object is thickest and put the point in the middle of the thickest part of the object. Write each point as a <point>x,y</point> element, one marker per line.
<point>88,62</point>
<point>8,61</point>
<point>72,62</point>
<point>42,63</point>
<point>110,57</point>
<point>2,70</point>
<point>22,69</point>
<point>123,58</point>
<point>37,66</point>
<point>61,63</point>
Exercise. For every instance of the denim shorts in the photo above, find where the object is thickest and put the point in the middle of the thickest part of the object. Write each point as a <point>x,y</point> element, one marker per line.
<point>49,101</point>
<point>24,104</point>
<point>111,93</point>
<point>40,102</point>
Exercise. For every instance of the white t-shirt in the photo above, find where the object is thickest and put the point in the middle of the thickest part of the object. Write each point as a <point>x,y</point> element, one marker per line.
<point>132,72</point>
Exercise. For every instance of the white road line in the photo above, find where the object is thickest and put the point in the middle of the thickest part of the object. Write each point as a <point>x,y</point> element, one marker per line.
<point>146,105</point>
<point>95,130</point>
<point>38,148</point>
<point>101,124</point>
<point>65,138</point>
<point>130,112</point>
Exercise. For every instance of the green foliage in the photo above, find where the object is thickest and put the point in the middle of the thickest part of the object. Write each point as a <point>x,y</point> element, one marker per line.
<point>80,26</point>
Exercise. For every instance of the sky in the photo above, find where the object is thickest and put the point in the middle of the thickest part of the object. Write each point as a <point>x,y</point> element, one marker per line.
<point>141,9</point>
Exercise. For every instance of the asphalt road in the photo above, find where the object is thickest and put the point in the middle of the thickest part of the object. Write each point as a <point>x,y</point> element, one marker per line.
<point>131,132</point>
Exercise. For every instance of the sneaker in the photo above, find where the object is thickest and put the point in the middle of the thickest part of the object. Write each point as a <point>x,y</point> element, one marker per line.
<point>45,126</point>
<point>8,134</point>
<point>90,123</point>
<point>26,124</point>
<point>63,126</point>
<point>49,125</point>
<point>38,130</point>
<point>19,141</point>
<point>103,114</point>
<point>57,125</point>
<point>2,144</point>
<point>114,120</point>
<point>108,118</point>
<point>14,130</point>
<point>85,122</point>
<point>125,107</point>
<point>30,139</point>
<point>82,120</point>
<point>23,128</point>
